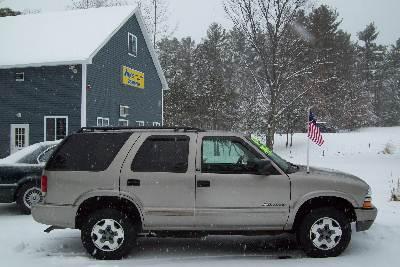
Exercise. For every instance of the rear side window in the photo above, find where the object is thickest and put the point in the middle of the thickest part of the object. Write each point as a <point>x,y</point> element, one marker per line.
<point>87,152</point>
<point>162,154</point>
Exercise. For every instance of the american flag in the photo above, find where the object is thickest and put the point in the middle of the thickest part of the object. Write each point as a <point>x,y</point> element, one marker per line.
<point>313,131</point>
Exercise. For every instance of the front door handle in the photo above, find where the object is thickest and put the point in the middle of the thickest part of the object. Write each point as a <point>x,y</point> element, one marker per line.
<point>203,183</point>
<point>133,182</point>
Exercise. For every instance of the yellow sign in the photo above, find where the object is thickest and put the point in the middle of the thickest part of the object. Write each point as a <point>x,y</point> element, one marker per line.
<point>132,77</point>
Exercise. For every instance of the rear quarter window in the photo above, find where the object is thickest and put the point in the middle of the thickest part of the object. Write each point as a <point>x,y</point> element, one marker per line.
<point>87,152</point>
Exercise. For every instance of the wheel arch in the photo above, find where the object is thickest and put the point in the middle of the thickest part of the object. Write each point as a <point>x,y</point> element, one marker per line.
<point>121,203</point>
<point>338,202</point>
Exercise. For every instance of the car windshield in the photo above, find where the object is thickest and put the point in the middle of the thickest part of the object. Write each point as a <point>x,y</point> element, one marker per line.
<point>283,164</point>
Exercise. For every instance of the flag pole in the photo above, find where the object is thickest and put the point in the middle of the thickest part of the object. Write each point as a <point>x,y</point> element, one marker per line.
<point>308,140</point>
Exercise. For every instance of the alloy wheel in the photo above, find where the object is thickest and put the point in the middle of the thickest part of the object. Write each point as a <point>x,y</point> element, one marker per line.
<point>325,233</point>
<point>107,235</point>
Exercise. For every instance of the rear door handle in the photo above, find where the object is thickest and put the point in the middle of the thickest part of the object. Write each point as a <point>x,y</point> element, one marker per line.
<point>203,183</point>
<point>133,182</point>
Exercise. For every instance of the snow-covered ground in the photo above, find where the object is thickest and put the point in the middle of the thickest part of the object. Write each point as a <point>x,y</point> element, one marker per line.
<point>361,153</point>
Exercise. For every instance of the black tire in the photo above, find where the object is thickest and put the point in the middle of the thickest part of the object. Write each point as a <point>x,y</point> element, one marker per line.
<point>23,192</point>
<point>313,222</point>
<point>104,253</point>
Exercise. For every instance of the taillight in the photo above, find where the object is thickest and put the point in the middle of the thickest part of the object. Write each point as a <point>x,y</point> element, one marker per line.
<point>44,184</point>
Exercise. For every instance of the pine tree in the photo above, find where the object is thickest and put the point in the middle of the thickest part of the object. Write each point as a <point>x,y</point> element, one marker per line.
<point>372,58</point>
<point>5,12</point>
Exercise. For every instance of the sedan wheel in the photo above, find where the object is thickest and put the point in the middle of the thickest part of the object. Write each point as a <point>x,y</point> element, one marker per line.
<point>32,196</point>
<point>28,195</point>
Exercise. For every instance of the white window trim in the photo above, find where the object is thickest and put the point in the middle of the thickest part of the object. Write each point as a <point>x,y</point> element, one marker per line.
<point>156,124</point>
<point>23,77</point>
<point>54,117</point>
<point>121,114</point>
<point>136,45</point>
<point>123,120</point>
<point>12,136</point>
<point>102,122</point>
<point>141,123</point>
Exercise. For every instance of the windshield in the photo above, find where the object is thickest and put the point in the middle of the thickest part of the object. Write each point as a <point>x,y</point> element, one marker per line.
<point>283,164</point>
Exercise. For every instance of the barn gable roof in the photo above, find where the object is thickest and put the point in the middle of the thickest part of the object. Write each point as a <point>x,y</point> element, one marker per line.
<point>65,38</point>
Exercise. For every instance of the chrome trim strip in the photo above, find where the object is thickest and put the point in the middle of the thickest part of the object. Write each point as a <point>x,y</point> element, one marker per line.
<point>8,185</point>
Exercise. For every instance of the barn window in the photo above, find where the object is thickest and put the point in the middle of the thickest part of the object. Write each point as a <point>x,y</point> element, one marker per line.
<point>103,121</point>
<point>19,76</point>
<point>55,127</point>
<point>123,111</point>
<point>132,44</point>
<point>123,122</point>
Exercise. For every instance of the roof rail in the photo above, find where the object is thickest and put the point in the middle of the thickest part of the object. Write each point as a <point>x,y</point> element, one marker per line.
<point>116,128</point>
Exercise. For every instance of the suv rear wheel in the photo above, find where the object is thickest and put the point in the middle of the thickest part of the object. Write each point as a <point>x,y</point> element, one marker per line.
<point>108,234</point>
<point>324,232</point>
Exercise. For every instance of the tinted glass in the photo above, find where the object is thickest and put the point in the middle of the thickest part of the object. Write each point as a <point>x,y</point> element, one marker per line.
<point>87,152</point>
<point>162,154</point>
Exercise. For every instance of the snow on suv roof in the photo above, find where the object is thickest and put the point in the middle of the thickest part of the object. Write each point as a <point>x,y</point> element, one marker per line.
<point>58,38</point>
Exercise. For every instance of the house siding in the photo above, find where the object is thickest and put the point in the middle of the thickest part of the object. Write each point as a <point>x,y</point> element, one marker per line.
<point>106,92</point>
<point>46,91</point>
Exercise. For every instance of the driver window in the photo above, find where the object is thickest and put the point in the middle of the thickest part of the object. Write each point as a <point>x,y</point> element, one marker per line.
<point>226,155</point>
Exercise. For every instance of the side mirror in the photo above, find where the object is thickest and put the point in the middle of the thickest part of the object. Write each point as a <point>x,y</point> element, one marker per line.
<point>264,167</point>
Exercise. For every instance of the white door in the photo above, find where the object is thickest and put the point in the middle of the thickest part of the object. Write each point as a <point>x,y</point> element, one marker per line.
<point>19,137</point>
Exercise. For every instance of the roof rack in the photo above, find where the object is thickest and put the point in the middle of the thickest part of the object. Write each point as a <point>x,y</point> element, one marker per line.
<point>114,128</point>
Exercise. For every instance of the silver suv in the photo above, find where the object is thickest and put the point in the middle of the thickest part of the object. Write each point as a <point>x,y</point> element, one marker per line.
<point>116,183</point>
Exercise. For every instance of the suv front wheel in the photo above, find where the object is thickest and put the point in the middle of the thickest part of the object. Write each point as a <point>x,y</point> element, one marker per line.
<point>108,234</point>
<point>324,232</point>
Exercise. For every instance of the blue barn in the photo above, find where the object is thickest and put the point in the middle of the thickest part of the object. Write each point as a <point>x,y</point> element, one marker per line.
<point>64,70</point>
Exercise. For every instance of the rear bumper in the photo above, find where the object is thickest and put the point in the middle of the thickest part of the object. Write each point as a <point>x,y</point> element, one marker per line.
<point>365,218</point>
<point>55,215</point>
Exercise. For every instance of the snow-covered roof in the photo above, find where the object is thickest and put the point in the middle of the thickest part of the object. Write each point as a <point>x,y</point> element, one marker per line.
<point>61,38</point>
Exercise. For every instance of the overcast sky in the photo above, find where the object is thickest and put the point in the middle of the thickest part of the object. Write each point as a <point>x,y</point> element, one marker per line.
<point>192,17</point>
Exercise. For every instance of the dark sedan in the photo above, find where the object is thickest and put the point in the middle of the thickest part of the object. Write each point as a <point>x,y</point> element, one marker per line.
<point>20,175</point>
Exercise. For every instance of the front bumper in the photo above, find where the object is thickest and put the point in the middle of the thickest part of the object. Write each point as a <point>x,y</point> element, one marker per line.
<point>365,218</point>
<point>56,215</point>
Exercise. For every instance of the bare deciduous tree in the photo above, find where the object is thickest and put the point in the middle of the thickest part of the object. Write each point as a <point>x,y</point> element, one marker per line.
<point>267,26</point>
<point>155,13</point>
